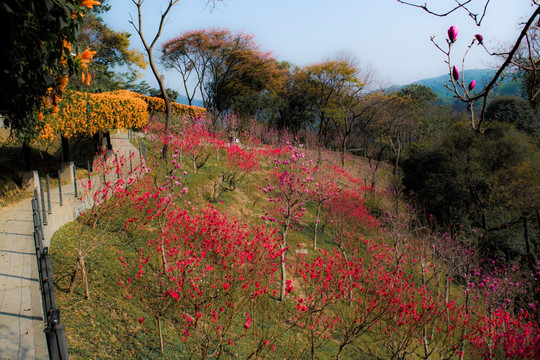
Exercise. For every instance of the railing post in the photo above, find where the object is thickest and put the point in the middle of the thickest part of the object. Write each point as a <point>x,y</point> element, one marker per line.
<point>43,211</point>
<point>140,151</point>
<point>118,167</point>
<point>74,180</point>
<point>54,331</point>
<point>143,148</point>
<point>49,194</point>
<point>89,177</point>
<point>36,197</point>
<point>60,187</point>
<point>35,218</point>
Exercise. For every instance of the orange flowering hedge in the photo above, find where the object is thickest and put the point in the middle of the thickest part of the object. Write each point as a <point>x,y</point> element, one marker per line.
<point>85,113</point>
<point>156,104</point>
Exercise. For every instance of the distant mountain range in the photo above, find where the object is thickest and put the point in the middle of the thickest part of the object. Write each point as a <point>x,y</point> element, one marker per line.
<point>508,87</point>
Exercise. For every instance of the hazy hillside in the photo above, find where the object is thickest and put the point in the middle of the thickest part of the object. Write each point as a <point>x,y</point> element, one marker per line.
<point>508,87</point>
<point>182,99</point>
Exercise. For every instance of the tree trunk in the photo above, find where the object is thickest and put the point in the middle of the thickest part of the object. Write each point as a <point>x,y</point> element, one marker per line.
<point>74,277</point>
<point>84,278</point>
<point>79,266</point>
<point>316,225</point>
<point>66,157</point>
<point>282,267</point>
<point>109,143</point>
<point>27,153</point>
<point>160,332</point>
<point>396,162</point>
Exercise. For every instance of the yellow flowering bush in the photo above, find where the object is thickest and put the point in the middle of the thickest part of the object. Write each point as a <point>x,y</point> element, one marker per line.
<point>156,104</point>
<point>84,113</point>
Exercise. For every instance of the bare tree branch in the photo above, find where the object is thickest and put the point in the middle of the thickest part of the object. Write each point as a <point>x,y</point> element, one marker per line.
<point>460,5</point>
<point>459,88</point>
<point>149,51</point>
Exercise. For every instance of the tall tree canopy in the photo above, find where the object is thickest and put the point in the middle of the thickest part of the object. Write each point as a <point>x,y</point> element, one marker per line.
<point>226,67</point>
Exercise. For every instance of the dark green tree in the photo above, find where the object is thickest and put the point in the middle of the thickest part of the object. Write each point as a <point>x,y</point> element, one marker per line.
<point>172,94</point>
<point>34,57</point>
<point>291,108</point>
<point>419,94</point>
<point>459,180</point>
<point>513,110</point>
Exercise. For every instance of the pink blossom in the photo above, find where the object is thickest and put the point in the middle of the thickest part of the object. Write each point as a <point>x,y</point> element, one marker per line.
<point>479,38</point>
<point>452,33</point>
<point>455,73</point>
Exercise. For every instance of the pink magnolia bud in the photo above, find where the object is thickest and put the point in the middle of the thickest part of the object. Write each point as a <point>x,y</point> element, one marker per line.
<point>455,73</point>
<point>479,38</point>
<point>472,85</point>
<point>452,33</point>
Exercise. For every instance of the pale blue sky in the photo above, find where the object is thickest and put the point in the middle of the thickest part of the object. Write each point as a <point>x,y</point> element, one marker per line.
<point>391,38</point>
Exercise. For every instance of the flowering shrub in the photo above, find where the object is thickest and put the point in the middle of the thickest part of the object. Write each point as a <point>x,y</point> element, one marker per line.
<point>156,104</point>
<point>84,113</point>
<point>212,270</point>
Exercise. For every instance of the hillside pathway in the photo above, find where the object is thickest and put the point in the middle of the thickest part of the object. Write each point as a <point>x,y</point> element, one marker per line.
<point>21,311</point>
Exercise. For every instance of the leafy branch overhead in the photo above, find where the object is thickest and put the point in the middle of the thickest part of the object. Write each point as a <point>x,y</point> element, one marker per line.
<point>39,50</point>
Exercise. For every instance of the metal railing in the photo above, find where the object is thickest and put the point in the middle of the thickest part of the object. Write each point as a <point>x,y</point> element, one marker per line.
<point>55,332</point>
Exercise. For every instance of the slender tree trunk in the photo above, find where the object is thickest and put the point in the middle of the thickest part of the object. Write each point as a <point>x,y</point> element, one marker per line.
<point>27,153</point>
<point>282,267</point>
<point>316,225</point>
<point>74,275</point>
<point>79,266</point>
<point>312,345</point>
<point>66,157</point>
<point>447,285</point>
<point>425,341</point>
<point>160,332</point>
<point>464,333</point>
<point>84,278</point>
<point>396,162</point>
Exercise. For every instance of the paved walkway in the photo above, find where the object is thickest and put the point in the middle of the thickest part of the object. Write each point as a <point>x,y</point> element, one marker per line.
<point>21,311</point>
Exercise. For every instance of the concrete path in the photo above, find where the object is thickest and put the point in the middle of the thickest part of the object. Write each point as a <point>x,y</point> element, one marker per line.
<point>21,311</point>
